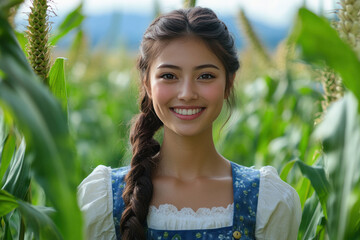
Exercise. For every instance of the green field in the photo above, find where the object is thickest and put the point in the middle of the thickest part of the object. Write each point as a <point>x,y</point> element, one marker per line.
<point>297,109</point>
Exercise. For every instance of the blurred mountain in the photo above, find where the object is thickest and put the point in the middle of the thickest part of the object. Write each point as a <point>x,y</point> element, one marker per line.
<point>111,30</point>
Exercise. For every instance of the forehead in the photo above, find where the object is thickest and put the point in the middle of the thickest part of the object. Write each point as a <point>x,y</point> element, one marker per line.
<point>186,52</point>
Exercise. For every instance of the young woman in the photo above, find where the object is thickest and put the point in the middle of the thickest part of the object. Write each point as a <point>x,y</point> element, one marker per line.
<point>183,188</point>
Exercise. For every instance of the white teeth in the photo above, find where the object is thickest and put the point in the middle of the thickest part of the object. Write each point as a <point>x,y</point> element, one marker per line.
<point>187,112</point>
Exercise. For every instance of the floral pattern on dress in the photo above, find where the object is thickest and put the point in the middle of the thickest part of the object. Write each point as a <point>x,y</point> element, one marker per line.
<point>246,183</point>
<point>118,185</point>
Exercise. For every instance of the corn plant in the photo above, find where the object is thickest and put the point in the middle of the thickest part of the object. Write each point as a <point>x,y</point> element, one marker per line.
<point>328,186</point>
<point>331,213</point>
<point>348,27</point>
<point>41,151</point>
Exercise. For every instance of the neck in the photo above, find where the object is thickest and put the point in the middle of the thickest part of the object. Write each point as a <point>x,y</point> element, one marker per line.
<point>189,157</point>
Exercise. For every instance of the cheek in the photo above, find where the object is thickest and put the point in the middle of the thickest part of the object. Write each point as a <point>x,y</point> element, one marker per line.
<point>214,93</point>
<point>161,94</point>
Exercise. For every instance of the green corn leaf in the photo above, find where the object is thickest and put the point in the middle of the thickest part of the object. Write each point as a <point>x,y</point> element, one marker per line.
<point>17,180</point>
<point>320,43</point>
<point>311,218</point>
<point>72,20</point>
<point>340,136</point>
<point>353,229</point>
<point>317,177</point>
<point>304,190</point>
<point>6,155</point>
<point>36,218</point>
<point>286,169</point>
<point>7,203</point>
<point>38,222</point>
<point>23,41</point>
<point>11,227</point>
<point>43,123</point>
<point>57,82</point>
<point>9,42</point>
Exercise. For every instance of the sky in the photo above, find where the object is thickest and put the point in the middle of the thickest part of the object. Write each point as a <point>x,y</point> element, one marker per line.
<point>274,12</point>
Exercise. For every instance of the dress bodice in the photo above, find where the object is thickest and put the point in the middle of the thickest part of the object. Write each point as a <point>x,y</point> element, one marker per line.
<point>245,191</point>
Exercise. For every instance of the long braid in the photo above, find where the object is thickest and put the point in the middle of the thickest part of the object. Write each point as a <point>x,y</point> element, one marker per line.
<point>138,190</point>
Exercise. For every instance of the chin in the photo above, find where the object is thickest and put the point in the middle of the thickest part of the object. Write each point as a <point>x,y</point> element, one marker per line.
<point>190,132</point>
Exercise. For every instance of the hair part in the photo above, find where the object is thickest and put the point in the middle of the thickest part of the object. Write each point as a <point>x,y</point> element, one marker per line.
<point>199,22</point>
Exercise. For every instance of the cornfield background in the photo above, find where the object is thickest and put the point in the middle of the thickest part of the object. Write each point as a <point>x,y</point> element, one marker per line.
<point>297,110</point>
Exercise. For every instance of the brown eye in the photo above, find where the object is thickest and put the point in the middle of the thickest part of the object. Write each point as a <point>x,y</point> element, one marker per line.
<point>168,76</point>
<point>206,76</point>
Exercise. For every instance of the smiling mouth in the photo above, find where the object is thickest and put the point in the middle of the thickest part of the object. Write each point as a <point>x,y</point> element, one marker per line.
<point>187,111</point>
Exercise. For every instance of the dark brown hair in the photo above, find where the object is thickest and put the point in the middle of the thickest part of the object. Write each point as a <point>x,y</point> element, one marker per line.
<point>199,22</point>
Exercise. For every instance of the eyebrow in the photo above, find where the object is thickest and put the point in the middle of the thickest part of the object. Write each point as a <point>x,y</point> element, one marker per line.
<point>196,68</point>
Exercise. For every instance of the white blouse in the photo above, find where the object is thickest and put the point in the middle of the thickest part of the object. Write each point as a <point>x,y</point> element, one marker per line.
<point>278,213</point>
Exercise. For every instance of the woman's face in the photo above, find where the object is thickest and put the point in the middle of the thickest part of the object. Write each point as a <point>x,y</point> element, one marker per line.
<point>187,86</point>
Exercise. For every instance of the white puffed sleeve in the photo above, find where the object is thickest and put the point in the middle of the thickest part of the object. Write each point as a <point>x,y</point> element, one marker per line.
<point>96,202</point>
<point>279,209</point>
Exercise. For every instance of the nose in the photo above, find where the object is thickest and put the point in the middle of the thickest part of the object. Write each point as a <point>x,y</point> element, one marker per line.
<point>187,90</point>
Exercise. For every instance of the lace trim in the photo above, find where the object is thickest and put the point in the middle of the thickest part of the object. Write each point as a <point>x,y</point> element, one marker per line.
<point>168,217</point>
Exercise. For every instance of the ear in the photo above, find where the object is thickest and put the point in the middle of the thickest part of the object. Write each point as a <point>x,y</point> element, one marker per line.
<point>231,85</point>
<point>147,87</point>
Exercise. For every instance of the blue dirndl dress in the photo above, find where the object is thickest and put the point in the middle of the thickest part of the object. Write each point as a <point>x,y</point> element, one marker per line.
<point>246,183</point>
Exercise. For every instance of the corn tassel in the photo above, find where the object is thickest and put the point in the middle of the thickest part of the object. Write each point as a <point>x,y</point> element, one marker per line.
<point>348,25</point>
<point>333,90</point>
<point>38,34</point>
<point>253,39</point>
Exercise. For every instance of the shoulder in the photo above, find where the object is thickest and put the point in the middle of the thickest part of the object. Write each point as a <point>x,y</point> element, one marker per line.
<point>242,171</point>
<point>97,181</point>
<point>101,178</point>
<point>279,208</point>
<point>95,199</point>
<point>272,186</point>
